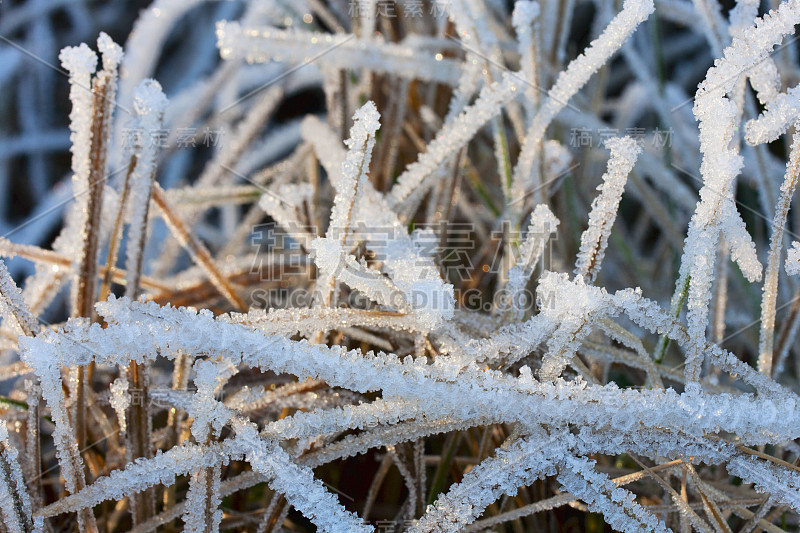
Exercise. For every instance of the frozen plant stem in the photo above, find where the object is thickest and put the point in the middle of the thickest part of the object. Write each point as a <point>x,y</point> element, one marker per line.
<point>116,233</point>
<point>149,105</point>
<point>196,248</point>
<point>85,121</point>
<point>594,240</point>
<point>15,503</point>
<point>526,26</point>
<point>13,307</point>
<point>770,290</point>
<point>354,175</point>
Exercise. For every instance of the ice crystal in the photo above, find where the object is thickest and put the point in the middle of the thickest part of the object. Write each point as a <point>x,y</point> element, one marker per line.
<point>793,259</point>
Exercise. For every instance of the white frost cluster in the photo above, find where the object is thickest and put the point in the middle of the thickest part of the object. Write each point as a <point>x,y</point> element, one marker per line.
<point>793,259</point>
<point>782,111</point>
<point>120,400</point>
<point>413,283</point>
